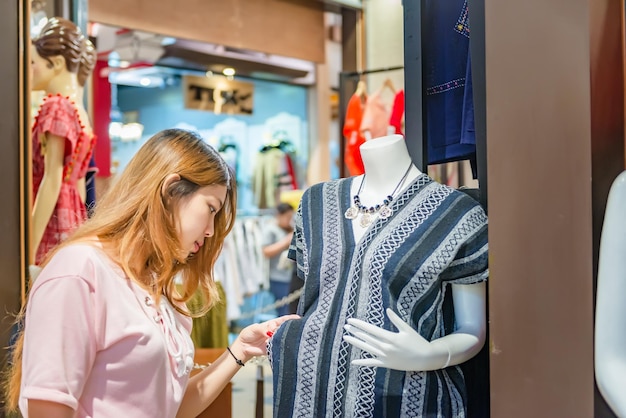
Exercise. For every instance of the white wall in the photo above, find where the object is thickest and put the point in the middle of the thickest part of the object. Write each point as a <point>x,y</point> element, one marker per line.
<point>384,41</point>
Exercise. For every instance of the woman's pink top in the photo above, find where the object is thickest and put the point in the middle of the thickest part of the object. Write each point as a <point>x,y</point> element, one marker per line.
<point>93,343</point>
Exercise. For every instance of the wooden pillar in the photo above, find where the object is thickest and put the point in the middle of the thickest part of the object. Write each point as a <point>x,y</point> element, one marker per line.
<point>14,128</point>
<point>555,128</point>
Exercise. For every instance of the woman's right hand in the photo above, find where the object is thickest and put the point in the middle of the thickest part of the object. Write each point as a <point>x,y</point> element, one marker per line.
<point>252,340</point>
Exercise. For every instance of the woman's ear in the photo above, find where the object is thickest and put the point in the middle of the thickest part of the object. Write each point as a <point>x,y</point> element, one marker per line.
<point>169,180</point>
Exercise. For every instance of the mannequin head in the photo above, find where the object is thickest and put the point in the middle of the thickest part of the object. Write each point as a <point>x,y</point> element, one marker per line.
<point>57,50</point>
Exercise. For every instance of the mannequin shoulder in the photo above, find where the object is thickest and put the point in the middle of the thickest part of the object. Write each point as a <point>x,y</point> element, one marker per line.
<point>57,106</point>
<point>467,198</point>
<point>319,188</point>
<point>617,194</point>
<point>613,240</point>
<point>57,101</point>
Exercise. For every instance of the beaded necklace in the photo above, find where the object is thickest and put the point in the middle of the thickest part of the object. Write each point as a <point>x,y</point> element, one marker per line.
<point>367,214</point>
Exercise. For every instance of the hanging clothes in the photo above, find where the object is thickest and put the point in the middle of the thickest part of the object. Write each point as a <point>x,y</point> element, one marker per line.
<point>230,153</point>
<point>211,329</point>
<point>352,134</point>
<point>448,109</point>
<point>397,113</point>
<point>274,172</point>
<point>226,271</point>
<point>269,166</point>
<point>375,117</point>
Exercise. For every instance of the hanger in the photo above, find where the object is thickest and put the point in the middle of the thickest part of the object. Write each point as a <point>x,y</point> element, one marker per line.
<point>226,146</point>
<point>280,140</point>
<point>361,89</point>
<point>389,84</point>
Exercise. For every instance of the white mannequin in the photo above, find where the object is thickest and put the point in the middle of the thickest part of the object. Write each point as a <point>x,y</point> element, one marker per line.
<point>610,338</point>
<point>386,160</point>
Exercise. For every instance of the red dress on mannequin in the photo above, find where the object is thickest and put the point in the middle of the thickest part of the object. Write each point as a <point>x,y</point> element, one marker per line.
<point>59,116</point>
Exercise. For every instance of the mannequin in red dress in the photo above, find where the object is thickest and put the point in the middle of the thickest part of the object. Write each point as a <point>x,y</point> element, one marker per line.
<point>62,136</point>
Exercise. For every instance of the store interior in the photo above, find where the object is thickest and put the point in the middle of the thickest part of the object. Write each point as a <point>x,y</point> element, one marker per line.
<point>259,98</point>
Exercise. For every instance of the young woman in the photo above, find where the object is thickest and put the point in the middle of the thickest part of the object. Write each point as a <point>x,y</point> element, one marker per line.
<point>106,332</point>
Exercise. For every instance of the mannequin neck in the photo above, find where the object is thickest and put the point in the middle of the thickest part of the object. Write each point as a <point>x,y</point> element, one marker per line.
<point>388,169</point>
<point>66,85</point>
<point>386,160</point>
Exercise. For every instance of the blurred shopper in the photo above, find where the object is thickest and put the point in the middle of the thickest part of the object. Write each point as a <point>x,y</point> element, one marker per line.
<point>276,240</point>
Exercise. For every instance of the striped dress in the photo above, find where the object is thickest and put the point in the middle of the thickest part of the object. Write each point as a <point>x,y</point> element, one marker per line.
<point>436,236</point>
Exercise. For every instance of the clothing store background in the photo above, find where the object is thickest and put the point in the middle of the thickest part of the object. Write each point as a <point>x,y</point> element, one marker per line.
<point>279,110</point>
<point>555,126</point>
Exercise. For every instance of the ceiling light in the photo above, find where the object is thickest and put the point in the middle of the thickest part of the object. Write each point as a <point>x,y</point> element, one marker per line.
<point>209,73</point>
<point>228,71</point>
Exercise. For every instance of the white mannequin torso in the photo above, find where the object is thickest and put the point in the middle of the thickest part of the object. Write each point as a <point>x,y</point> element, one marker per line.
<point>610,339</point>
<point>386,160</point>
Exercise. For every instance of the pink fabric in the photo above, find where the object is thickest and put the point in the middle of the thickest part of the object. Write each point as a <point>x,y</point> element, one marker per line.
<point>375,116</point>
<point>59,116</point>
<point>91,342</point>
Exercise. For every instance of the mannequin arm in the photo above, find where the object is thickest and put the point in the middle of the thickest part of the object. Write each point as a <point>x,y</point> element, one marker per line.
<point>610,339</point>
<point>49,189</point>
<point>82,189</point>
<point>407,350</point>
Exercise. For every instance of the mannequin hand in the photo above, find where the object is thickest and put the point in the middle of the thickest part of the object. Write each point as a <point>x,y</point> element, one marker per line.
<point>252,340</point>
<point>33,272</point>
<point>403,350</point>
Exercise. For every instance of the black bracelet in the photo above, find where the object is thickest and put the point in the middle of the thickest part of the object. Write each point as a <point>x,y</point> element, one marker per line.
<point>239,362</point>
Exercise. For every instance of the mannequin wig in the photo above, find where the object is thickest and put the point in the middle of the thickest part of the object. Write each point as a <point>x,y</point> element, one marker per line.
<point>61,37</point>
<point>87,62</point>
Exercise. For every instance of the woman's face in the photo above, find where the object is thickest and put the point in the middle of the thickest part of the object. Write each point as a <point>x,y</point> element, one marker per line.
<point>41,71</point>
<point>197,216</point>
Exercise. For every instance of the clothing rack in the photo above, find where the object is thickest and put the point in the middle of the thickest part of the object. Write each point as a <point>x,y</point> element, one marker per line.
<point>347,85</point>
<point>366,72</point>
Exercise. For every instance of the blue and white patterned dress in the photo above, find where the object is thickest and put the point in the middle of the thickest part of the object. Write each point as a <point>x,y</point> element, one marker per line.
<point>437,236</point>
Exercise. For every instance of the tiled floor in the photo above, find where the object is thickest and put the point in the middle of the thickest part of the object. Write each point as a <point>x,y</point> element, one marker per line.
<point>245,385</point>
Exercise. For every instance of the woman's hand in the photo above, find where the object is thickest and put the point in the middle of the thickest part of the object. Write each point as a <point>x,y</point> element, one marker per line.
<point>252,340</point>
